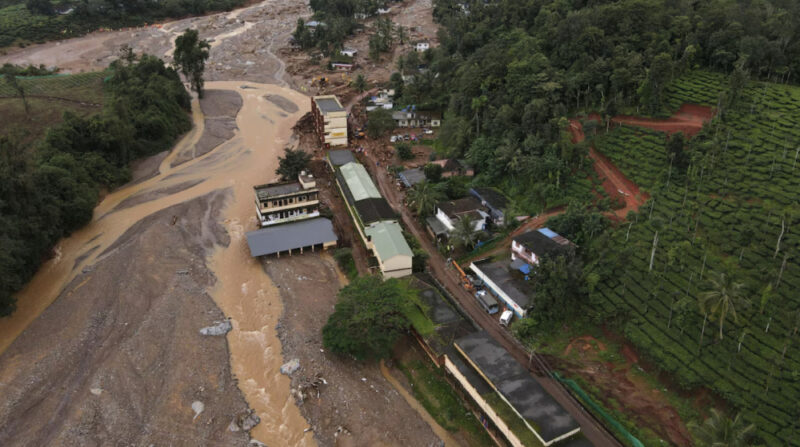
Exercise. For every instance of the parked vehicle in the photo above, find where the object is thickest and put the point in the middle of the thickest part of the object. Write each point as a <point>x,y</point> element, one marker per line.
<point>487,301</point>
<point>427,131</point>
<point>505,317</point>
<point>394,138</point>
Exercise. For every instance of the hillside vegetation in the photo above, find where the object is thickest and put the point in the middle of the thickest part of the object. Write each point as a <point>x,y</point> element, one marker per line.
<point>38,21</point>
<point>48,188</point>
<point>731,209</point>
<point>48,97</point>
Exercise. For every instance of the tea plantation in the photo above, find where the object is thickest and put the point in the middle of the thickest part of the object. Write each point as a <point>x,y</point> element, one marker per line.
<point>733,209</point>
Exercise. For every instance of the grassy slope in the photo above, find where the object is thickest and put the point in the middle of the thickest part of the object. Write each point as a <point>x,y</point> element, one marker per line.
<point>748,182</point>
<point>48,98</point>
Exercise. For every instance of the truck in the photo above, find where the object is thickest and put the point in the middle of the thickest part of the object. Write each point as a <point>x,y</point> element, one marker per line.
<point>487,301</point>
<point>505,317</point>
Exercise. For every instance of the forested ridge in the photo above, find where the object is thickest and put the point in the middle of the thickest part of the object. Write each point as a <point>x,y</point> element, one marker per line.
<point>43,20</point>
<point>50,190</point>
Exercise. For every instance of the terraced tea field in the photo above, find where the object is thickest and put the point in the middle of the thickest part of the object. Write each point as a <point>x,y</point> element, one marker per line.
<point>735,210</point>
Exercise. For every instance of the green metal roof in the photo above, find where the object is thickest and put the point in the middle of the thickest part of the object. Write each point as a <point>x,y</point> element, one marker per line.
<point>359,182</point>
<point>388,239</point>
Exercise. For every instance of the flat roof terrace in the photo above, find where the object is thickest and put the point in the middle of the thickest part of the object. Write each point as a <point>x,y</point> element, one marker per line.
<point>328,104</point>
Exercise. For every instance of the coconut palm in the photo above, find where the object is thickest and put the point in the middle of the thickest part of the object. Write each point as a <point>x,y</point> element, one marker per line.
<point>721,431</point>
<point>463,233</point>
<point>424,196</point>
<point>722,299</point>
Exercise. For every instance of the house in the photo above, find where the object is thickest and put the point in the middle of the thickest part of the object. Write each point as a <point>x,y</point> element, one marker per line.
<point>384,10</point>
<point>412,118</point>
<point>316,234</point>
<point>494,201</point>
<point>314,24</point>
<point>497,277</point>
<point>349,52</point>
<point>386,241</point>
<point>452,167</point>
<point>436,228</point>
<point>469,207</point>
<point>287,201</point>
<point>342,66</point>
<point>422,46</point>
<point>496,382</point>
<point>330,120</point>
<point>531,246</point>
<point>411,177</point>
<point>383,100</point>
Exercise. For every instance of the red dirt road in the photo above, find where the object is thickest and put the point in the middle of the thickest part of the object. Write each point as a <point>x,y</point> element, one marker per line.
<point>614,181</point>
<point>689,119</point>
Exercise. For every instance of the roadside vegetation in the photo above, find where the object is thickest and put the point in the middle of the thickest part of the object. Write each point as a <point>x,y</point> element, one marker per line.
<point>49,187</point>
<point>36,21</point>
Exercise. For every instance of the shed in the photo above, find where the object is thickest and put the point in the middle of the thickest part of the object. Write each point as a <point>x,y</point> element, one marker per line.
<point>358,182</point>
<point>514,292</point>
<point>411,177</point>
<point>311,233</point>
<point>340,157</point>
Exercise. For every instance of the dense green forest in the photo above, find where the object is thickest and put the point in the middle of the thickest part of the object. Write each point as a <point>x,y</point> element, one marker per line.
<point>718,235</point>
<point>48,191</point>
<point>43,20</point>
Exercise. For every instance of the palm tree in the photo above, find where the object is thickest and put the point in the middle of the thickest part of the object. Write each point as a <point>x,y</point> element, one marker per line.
<point>463,233</point>
<point>721,431</point>
<point>359,83</point>
<point>424,196</point>
<point>722,299</point>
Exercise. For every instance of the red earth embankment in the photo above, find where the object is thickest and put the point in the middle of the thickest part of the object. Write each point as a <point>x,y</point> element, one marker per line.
<point>689,119</point>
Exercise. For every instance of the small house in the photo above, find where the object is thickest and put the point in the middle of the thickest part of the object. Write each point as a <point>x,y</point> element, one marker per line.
<point>497,277</point>
<point>531,246</point>
<point>494,201</point>
<point>342,66</point>
<point>468,207</point>
<point>349,52</point>
<point>422,46</point>
<point>411,177</point>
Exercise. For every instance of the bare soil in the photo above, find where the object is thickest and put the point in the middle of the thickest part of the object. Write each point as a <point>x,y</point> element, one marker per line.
<point>220,108</point>
<point>106,363</point>
<point>689,119</point>
<point>356,406</point>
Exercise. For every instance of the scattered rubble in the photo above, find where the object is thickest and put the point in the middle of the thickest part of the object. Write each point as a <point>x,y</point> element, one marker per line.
<point>290,367</point>
<point>219,328</point>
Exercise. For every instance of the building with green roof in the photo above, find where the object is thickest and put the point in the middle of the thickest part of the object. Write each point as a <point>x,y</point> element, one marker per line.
<point>386,240</point>
<point>359,182</point>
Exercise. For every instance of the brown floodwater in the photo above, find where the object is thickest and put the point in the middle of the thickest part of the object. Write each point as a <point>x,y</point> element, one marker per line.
<point>243,291</point>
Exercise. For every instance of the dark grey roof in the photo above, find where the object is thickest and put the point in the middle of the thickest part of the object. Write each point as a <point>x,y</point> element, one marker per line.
<point>374,210</point>
<point>436,225</point>
<point>475,380</point>
<point>460,206</point>
<point>328,105</point>
<point>576,441</point>
<point>515,288</point>
<point>340,157</point>
<point>411,177</point>
<point>517,386</point>
<point>289,236</point>
<point>277,189</point>
<point>492,197</point>
<point>540,244</point>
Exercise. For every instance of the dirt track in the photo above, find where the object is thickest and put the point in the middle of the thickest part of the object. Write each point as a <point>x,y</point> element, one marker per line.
<point>689,119</point>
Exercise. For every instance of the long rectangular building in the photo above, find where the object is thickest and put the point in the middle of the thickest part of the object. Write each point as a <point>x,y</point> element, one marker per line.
<point>330,120</point>
<point>375,220</point>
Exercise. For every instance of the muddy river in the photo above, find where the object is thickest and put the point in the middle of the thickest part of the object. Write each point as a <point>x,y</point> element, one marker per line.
<point>242,291</point>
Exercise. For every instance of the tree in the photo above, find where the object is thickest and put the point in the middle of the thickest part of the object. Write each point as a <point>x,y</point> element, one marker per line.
<point>721,431</point>
<point>463,233</point>
<point>424,196</point>
<point>403,150</point>
<point>676,154</point>
<point>433,172</point>
<point>41,7</point>
<point>10,74</point>
<point>722,298</point>
<point>359,83</point>
<point>559,286</point>
<point>379,122</point>
<point>190,56</point>
<point>402,34</point>
<point>369,317</point>
<point>292,163</point>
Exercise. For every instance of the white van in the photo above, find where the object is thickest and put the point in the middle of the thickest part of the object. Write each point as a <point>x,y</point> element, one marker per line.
<point>505,317</point>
